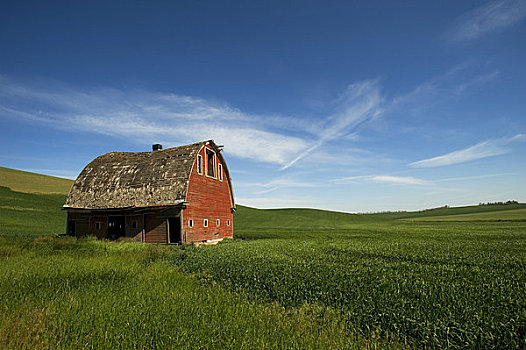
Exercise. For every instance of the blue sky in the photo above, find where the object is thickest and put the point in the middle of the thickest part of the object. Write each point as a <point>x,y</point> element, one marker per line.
<point>355,106</point>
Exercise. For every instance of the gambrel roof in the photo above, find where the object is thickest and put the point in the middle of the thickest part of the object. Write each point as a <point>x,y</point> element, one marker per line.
<point>141,179</point>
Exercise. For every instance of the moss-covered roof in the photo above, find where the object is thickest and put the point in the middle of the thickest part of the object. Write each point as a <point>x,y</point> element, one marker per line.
<point>141,179</point>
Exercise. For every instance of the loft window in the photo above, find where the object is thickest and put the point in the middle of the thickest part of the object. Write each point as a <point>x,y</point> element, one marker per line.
<point>205,223</point>
<point>218,222</point>
<point>200,164</point>
<point>190,223</point>
<point>134,224</point>
<point>220,171</point>
<point>210,163</point>
<point>228,222</point>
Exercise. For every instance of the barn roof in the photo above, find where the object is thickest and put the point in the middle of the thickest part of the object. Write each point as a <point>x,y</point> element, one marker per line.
<point>140,179</point>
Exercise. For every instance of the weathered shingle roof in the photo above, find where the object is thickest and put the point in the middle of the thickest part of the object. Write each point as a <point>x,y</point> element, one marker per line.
<point>123,180</point>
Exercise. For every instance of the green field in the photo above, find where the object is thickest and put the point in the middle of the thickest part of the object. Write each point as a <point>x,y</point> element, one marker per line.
<point>292,278</point>
<point>23,181</point>
<point>27,215</point>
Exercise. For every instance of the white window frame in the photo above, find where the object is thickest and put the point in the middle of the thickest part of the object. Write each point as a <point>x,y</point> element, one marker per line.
<point>220,171</point>
<point>190,223</point>
<point>205,223</point>
<point>215,163</point>
<point>200,164</point>
<point>218,222</point>
<point>228,222</point>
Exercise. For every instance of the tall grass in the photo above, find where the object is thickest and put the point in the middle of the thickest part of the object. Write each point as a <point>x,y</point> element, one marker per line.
<point>60,293</point>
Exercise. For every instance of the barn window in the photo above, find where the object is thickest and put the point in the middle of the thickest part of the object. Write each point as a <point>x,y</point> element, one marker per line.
<point>98,225</point>
<point>228,222</point>
<point>205,223</point>
<point>210,163</point>
<point>190,223</point>
<point>218,222</point>
<point>220,172</point>
<point>134,224</point>
<point>200,164</point>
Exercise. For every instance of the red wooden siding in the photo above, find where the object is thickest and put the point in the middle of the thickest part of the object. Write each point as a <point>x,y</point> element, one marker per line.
<point>207,198</point>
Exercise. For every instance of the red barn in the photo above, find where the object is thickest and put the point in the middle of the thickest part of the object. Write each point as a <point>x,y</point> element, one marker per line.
<point>177,195</point>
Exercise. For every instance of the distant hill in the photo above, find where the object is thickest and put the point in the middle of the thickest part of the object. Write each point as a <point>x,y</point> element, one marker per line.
<point>23,181</point>
<point>472,209</point>
<point>30,204</point>
<point>247,218</point>
<point>498,213</point>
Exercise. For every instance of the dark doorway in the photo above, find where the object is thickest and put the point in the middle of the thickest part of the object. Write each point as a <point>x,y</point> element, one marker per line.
<point>71,228</point>
<point>116,227</point>
<point>174,226</point>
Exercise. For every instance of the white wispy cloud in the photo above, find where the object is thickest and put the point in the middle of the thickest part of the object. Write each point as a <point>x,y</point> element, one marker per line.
<point>403,180</point>
<point>475,82</point>
<point>488,148</point>
<point>274,185</point>
<point>151,117</point>
<point>461,80</point>
<point>360,102</point>
<point>494,16</point>
<point>399,180</point>
<point>174,119</point>
<point>474,177</point>
<point>410,180</point>
<point>272,202</point>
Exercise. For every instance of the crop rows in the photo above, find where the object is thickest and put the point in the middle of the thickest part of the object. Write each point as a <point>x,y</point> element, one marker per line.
<point>436,285</point>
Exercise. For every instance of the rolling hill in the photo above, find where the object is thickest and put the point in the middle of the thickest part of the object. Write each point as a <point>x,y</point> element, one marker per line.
<point>23,181</point>
<point>30,205</point>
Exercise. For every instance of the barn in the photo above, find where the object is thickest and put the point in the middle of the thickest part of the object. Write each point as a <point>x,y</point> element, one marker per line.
<point>171,196</point>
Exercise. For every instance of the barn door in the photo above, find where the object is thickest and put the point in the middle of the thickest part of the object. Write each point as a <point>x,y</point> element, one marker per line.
<point>116,227</point>
<point>71,228</point>
<point>174,228</point>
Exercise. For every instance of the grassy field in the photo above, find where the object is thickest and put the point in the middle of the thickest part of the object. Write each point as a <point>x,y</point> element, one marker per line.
<point>30,204</point>
<point>442,285</point>
<point>64,294</point>
<point>292,278</point>
<point>27,215</point>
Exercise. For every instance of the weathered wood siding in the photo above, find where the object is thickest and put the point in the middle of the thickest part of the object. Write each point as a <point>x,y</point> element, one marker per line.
<point>81,223</point>
<point>207,198</point>
<point>156,229</point>
<point>101,232</point>
<point>134,232</point>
